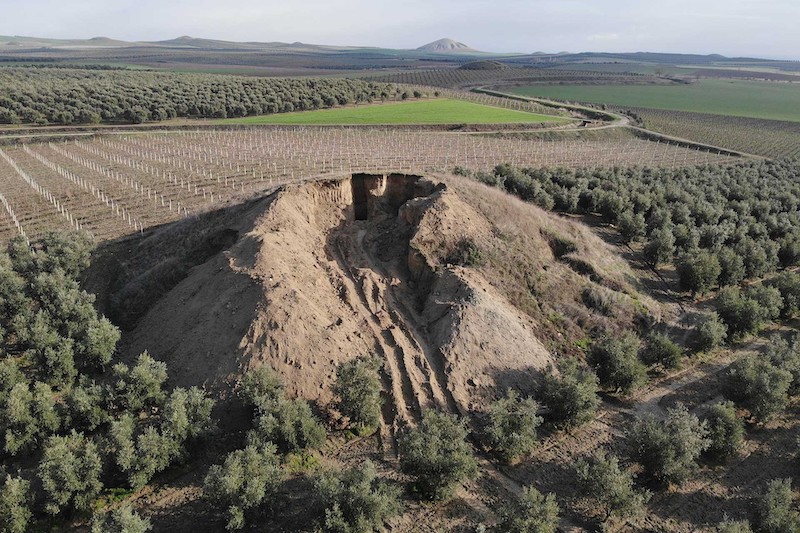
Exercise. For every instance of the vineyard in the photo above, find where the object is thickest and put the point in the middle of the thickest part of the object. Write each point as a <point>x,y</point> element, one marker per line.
<point>456,78</point>
<point>111,186</point>
<point>769,138</point>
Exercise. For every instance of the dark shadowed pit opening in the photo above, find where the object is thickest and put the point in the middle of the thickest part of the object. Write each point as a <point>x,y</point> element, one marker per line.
<point>360,185</point>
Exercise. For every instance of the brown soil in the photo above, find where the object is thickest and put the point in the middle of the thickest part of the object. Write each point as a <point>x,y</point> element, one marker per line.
<point>321,272</point>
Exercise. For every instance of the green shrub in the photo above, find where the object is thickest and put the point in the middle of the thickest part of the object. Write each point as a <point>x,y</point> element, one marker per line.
<point>732,270</point>
<point>86,407</point>
<point>668,450</point>
<point>741,315</point>
<point>261,388</point>
<point>775,509</point>
<point>511,430</point>
<point>141,386</point>
<point>710,332</point>
<point>660,350</point>
<point>290,424</point>
<point>247,478</point>
<point>70,472</point>
<point>788,284</point>
<point>785,354</point>
<point>570,395</point>
<point>355,501</point>
<point>120,520</point>
<point>698,272</point>
<point>601,478</point>
<point>734,526</point>
<point>436,455</point>
<point>358,388</point>
<point>755,384</point>
<point>660,247</point>
<point>631,226</point>
<point>28,417</point>
<point>617,363</point>
<point>15,500</point>
<point>725,431</point>
<point>531,512</point>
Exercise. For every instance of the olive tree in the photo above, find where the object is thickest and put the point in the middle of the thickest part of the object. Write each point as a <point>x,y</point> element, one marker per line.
<point>668,450</point>
<point>358,389</point>
<point>602,479</point>
<point>15,500</point>
<point>512,423</point>
<point>530,512</point>
<point>436,455</point>
<point>244,480</point>
<point>617,363</point>
<point>571,394</point>
<point>70,471</point>
<point>356,500</point>
<point>120,520</point>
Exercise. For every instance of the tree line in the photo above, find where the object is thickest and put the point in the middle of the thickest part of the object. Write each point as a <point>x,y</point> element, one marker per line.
<point>74,420</point>
<point>88,96</point>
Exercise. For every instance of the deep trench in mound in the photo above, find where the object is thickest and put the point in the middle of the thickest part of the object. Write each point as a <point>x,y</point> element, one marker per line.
<point>319,273</point>
<point>371,249</point>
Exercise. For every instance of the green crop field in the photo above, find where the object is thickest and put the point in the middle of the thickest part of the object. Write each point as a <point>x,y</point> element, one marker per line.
<point>440,111</point>
<point>754,99</point>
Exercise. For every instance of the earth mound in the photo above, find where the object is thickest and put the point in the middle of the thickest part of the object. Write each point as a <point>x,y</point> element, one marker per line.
<point>443,46</point>
<point>461,290</point>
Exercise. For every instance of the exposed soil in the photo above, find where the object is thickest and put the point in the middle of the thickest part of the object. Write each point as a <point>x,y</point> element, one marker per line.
<point>319,273</point>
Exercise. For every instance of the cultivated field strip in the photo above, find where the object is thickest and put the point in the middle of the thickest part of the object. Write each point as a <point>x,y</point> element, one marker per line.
<point>111,186</point>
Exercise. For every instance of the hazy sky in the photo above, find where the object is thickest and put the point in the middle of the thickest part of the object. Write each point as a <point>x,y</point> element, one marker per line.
<point>766,28</point>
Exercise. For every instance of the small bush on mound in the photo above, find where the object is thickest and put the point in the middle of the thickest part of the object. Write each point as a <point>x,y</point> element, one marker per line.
<point>436,455</point>
<point>734,526</point>
<point>709,332</point>
<point>602,300</point>
<point>120,520</point>
<point>668,450</point>
<point>15,501</point>
<point>289,424</point>
<point>531,512</point>
<point>245,480</point>
<point>775,509</point>
<point>511,430</point>
<point>725,430</point>
<point>617,363</point>
<point>261,388</point>
<point>356,501</point>
<point>660,350</point>
<point>601,478</point>
<point>753,383</point>
<point>141,386</point>
<point>358,388</point>
<point>466,253</point>
<point>570,395</point>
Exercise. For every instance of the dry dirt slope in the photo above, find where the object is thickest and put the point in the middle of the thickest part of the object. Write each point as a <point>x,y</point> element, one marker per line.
<point>460,289</point>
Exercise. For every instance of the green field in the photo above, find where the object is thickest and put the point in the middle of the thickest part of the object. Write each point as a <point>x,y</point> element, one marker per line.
<point>765,100</point>
<point>441,111</point>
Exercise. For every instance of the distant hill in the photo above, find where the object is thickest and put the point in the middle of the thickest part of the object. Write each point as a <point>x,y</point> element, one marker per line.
<point>446,46</point>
